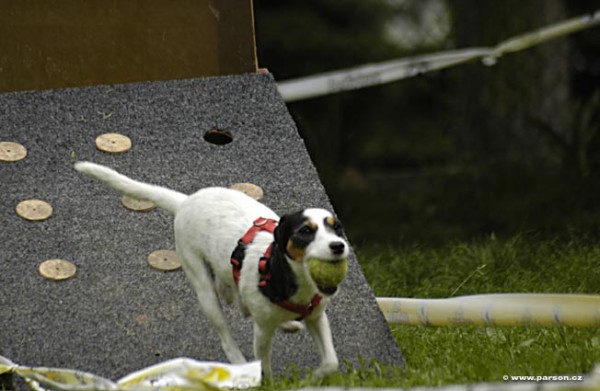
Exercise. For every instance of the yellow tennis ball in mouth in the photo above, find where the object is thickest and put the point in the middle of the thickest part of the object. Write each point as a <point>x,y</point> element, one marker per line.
<point>327,274</point>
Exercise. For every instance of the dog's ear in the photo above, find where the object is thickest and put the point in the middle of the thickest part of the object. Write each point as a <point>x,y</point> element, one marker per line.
<point>285,228</point>
<point>282,233</point>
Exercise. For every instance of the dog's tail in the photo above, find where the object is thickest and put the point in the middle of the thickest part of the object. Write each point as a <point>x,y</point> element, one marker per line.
<point>165,198</point>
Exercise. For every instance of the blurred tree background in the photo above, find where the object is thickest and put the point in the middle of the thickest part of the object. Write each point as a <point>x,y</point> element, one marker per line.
<point>454,154</point>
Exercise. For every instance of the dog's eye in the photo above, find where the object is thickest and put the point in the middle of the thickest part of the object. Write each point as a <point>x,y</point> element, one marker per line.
<point>338,228</point>
<point>306,230</point>
<point>335,225</point>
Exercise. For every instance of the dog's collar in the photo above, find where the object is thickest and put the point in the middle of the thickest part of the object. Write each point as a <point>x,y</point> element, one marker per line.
<point>237,257</point>
<point>303,310</point>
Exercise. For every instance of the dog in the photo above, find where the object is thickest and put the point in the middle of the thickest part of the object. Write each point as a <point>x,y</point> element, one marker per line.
<point>235,248</point>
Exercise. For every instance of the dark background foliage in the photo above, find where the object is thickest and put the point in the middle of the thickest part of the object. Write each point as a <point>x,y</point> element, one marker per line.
<point>455,154</point>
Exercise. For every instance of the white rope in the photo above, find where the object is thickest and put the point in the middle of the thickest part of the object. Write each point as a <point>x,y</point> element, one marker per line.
<point>389,71</point>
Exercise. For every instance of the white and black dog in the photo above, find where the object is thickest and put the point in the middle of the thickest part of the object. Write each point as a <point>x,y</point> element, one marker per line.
<point>236,248</point>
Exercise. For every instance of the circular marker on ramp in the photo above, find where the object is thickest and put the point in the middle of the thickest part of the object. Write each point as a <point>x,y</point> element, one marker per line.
<point>34,210</point>
<point>11,151</point>
<point>164,260</point>
<point>113,143</point>
<point>57,269</point>
<point>137,205</point>
<point>249,189</point>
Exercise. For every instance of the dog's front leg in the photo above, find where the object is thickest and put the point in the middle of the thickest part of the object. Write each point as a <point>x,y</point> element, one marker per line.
<point>263,336</point>
<point>318,327</point>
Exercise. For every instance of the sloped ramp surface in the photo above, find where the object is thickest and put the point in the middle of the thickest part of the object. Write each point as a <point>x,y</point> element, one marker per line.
<point>117,314</point>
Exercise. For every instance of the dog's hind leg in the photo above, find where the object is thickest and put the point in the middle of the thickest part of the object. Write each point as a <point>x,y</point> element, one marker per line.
<point>202,281</point>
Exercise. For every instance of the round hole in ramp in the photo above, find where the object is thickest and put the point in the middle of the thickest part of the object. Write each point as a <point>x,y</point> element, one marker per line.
<point>218,136</point>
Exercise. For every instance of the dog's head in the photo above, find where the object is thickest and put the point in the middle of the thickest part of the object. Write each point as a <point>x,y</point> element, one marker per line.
<point>311,233</point>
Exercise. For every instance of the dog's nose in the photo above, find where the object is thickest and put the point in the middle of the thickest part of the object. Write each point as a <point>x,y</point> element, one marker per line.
<point>337,247</point>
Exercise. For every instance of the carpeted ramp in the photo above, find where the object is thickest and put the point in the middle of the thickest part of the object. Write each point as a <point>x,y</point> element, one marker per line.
<point>117,314</point>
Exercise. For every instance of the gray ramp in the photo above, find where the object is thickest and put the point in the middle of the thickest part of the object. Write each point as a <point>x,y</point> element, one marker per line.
<point>117,314</point>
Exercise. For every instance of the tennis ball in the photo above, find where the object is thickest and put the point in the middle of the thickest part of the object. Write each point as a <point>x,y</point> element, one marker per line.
<point>327,274</point>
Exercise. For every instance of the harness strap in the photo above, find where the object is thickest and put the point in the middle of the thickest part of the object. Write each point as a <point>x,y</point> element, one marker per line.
<point>237,257</point>
<point>301,309</point>
<point>263,267</point>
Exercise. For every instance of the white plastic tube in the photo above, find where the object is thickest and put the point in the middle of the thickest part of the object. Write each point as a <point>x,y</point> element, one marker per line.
<point>512,309</point>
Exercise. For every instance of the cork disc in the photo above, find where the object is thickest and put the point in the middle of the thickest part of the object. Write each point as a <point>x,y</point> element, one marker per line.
<point>34,210</point>
<point>57,269</point>
<point>113,143</point>
<point>249,189</point>
<point>164,260</point>
<point>12,152</point>
<point>137,205</point>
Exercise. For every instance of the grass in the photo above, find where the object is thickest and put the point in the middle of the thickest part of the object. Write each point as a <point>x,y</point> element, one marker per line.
<point>450,355</point>
<point>519,264</point>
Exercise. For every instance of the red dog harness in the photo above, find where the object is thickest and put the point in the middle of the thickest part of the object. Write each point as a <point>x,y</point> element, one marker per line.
<point>237,257</point>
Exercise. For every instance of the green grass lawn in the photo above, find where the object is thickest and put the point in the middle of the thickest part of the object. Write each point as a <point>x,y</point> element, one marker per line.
<point>450,355</point>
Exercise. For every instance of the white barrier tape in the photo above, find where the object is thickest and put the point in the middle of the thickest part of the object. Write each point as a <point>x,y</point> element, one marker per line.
<point>495,310</point>
<point>385,72</point>
<point>173,375</point>
<point>553,31</point>
<point>374,74</point>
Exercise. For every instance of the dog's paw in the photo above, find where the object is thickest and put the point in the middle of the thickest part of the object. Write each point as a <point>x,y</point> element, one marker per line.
<point>325,370</point>
<point>292,326</point>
